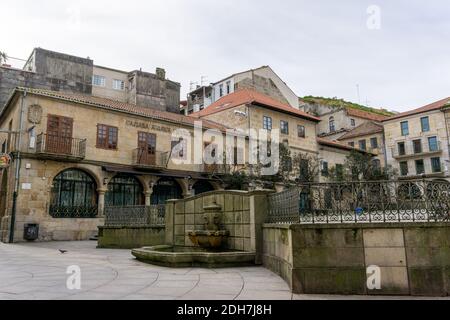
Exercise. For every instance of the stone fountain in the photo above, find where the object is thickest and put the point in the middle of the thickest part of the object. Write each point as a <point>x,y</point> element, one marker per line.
<point>209,247</point>
<point>211,237</point>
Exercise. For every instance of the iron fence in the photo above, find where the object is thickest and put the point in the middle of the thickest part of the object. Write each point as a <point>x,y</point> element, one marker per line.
<point>135,216</point>
<point>362,202</point>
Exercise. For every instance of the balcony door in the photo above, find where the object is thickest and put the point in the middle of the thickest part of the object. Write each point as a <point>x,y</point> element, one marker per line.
<point>147,148</point>
<point>59,134</point>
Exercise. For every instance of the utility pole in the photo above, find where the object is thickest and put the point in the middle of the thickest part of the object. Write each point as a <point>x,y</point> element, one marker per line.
<point>17,161</point>
<point>358,93</point>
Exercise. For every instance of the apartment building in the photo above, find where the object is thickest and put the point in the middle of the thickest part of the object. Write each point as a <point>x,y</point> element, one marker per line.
<point>263,80</point>
<point>56,71</point>
<point>248,109</point>
<point>368,137</point>
<point>417,141</point>
<point>80,153</point>
<point>339,117</point>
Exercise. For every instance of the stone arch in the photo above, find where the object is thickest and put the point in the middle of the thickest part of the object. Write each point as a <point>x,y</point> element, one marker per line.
<point>73,194</point>
<point>202,186</point>
<point>125,189</point>
<point>95,174</point>
<point>3,192</point>
<point>166,189</point>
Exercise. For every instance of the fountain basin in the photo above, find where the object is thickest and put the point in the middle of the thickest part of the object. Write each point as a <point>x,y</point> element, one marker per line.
<point>208,239</point>
<point>183,257</point>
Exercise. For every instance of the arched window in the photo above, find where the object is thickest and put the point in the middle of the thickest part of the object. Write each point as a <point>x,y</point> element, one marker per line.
<point>332,125</point>
<point>202,186</point>
<point>73,195</point>
<point>124,190</point>
<point>166,189</point>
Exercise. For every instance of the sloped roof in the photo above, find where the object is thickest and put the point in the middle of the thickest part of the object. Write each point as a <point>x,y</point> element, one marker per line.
<point>364,129</point>
<point>114,105</point>
<point>247,96</point>
<point>338,145</point>
<point>365,114</point>
<point>430,107</point>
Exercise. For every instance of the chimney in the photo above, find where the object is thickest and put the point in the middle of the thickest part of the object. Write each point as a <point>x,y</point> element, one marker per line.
<point>161,73</point>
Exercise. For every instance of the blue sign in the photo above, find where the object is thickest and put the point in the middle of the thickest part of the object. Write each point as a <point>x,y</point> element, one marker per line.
<point>359,211</point>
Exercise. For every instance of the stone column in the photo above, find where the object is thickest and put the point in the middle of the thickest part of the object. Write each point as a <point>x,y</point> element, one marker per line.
<point>101,202</point>
<point>148,197</point>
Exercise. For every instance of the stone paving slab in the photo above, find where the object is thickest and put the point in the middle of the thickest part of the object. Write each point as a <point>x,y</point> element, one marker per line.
<point>37,271</point>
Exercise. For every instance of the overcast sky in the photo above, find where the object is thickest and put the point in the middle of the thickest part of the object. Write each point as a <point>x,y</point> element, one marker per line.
<point>322,48</point>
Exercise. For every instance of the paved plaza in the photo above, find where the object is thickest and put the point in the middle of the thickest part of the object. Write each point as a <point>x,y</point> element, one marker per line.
<point>38,271</point>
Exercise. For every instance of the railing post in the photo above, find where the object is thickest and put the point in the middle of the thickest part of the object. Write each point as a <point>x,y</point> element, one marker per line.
<point>101,202</point>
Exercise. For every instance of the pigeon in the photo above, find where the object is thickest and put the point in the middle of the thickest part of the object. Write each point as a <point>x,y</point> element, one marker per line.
<point>62,251</point>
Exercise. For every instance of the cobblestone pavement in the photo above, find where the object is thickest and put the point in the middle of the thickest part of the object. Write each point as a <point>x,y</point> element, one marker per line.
<point>38,271</point>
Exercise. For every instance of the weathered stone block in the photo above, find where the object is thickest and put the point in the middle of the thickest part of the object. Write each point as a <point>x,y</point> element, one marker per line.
<point>427,281</point>
<point>383,238</point>
<point>386,257</point>
<point>328,257</point>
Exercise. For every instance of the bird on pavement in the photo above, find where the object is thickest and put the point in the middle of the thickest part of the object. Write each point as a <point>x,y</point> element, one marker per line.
<point>62,251</point>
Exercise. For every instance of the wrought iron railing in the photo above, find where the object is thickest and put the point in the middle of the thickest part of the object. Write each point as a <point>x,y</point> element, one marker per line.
<point>362,202</point>
<point>60,145</point>
<point>143,157</point>
<point>410,151</point>
<point>135,216</point>
<point>69,212</point>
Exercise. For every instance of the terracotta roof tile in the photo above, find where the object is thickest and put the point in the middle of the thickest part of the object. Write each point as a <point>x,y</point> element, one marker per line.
<point>365,114</point>
<point>430,107</point>
<point>364,129</point>
<point>123,107</point>
<point>336,144</point>
<point>247,96</point>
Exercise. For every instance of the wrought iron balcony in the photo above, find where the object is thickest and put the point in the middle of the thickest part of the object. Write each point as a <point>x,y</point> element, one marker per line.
<point>410,152</point>
<point>60,147</point>
<point>145,158</point>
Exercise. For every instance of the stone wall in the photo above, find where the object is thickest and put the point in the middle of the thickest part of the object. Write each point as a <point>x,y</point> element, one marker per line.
<point>243,216</point>
<point>48,70</point>
<point>129,237</point>
<point>414,258</point>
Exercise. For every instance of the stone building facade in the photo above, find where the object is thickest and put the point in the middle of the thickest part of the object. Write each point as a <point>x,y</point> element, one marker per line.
<point>80,153</point>
<point>56,71</point>
<point>368,137</point>
<point>417,142</point>
<point>263,80</point>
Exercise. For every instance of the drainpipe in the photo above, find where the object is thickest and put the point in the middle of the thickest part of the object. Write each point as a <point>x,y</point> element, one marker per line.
<point>17,174</point>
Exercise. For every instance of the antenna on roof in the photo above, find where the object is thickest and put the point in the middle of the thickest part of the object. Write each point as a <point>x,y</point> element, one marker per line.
<point>358,93</point>
<point>192,86</point>
<point>203,80</point>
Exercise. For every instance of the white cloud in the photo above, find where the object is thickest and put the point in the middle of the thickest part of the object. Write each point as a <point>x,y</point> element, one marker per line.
<point>319,48</point>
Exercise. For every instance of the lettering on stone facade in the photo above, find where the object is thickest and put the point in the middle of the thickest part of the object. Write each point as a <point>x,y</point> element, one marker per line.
<point>147,126</point>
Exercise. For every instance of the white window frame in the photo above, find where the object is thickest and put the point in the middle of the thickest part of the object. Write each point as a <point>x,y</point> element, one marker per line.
<point>102,82</point>
<point>122,85</point>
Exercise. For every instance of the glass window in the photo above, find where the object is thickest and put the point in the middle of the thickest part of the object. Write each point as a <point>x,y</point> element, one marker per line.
<point>324,168</point>
<point>332,125</point>
<point>107,137</point>
<point>124,190</point>
<point>404,168</point>
<point>221,90</point>
<point>362,145</point>
<point>420,167</point>
<point>374,143</point>
<point>267,123</point>
<point>433,144</point>
<point>401,149</point>
<point>425,122</point>
<point>417,146</point>
<point>405,128</point>
<point>73,195</point>
<point>301,131</point>
<point>436,165</point>
<point>284,127</point>
<point>351,144</point>
<point>352,122</point>
<point>118,85</point>
<point>98,81</point>
<point>228,87</point>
